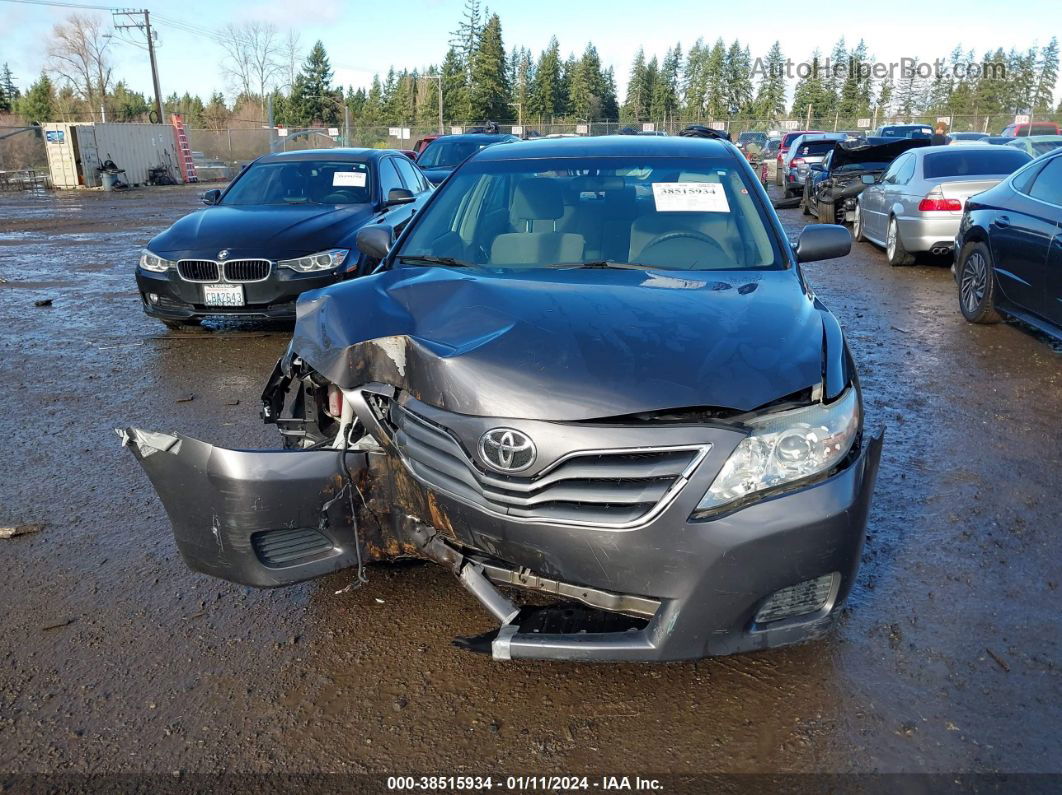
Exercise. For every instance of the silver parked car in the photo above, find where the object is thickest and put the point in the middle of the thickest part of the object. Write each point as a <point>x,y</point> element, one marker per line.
<point>805,150</point>
<point>917,204</point>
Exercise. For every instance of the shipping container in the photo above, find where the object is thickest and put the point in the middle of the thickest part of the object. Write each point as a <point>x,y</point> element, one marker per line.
<point>77,151</point>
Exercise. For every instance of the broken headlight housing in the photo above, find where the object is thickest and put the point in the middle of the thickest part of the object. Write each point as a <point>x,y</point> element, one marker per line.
<point>321,261</point>
<point>786,447</point>
<point>153,262</point>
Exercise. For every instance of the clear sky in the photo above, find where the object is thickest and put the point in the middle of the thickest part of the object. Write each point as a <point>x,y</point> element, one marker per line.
<point>365,36</point>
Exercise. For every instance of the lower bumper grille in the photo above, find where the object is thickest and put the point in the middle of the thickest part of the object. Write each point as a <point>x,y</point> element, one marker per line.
<point>613,488</point>
<point>280,548</point>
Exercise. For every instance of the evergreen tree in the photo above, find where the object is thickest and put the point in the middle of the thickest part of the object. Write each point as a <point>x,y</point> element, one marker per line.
<point>883,102</point>
<point>521,84</point>
<point>1046,77</point>
<point>835,77</point>
<point>853,100</point>
<point>39,104</point>
<point>609,101</point>
<point>695,80</point>
<point>455,87</point>
<point>9,94</point>
<point>546,99</point>
<point>812,89</point>
<point>489,88</point>
<point>770,97</point>
<point>909,92</point>
<point>737,68</point>
<point>666,90</point>
<point>636,107</point>
<point>567,75</point>
<point>466,38</point>
<point>215,114</point>
<point>312,97</point>
<point>716,98</point>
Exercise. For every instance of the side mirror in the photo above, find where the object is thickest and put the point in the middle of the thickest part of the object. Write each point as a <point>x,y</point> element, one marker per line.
<point>869,179</point>
<point>399,196</point>
<point>212,196</point>
<point>823,241</point>
<point>816,167</point>
<point>375,240</point>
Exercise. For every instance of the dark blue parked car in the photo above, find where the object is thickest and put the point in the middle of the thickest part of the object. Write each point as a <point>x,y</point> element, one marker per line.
<point>1009,248</point>
<point>445,154</point>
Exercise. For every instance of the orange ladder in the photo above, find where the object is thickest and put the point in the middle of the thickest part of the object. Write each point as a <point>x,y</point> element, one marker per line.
<point>184,151</point>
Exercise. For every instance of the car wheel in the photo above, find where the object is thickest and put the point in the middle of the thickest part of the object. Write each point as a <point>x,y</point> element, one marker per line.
<point>857,226</point>
<point>977,286</point>
<point>894,250</point>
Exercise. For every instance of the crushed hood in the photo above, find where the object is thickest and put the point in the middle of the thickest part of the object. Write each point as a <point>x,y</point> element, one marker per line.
<point>845,153</point>
<point>567,345</point>
<point>261,231</point>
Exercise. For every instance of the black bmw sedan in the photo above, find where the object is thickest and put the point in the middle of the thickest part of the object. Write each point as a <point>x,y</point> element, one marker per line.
<point>285,225</point>
<point>1009,249</point>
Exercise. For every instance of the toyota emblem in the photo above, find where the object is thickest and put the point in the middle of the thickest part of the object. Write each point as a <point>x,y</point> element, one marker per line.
<point>507,450</point>
<point>223,254</point>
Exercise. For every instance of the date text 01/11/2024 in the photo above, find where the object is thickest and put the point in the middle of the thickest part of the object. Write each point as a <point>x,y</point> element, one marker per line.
<point>522,783</point>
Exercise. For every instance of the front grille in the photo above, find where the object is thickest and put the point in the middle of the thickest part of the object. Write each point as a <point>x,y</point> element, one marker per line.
<point>280,548</point>
<point>246,270</point>
<point>612,488</point>
<point>198,270</point>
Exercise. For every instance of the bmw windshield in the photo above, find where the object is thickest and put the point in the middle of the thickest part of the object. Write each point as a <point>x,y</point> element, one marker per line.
<point>668,213</point>
<point>301,182</point>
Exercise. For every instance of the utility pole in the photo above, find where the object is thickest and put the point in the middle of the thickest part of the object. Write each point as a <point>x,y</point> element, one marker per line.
<point>145,26</point>
<point>439,78</point>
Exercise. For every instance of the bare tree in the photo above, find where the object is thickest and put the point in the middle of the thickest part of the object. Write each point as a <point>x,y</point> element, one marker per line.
<point>77,54</point>
<point>292,53</point>
<point>253,57</point>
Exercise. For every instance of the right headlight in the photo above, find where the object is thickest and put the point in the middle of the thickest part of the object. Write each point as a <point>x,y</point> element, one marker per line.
<point>786,447</point>
<point>153,262</point>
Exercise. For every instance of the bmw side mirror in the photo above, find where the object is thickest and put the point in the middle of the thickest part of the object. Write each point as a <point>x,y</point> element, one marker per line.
<point>399,196</point>
<point>823,241</point>
<point>869,179</point>
<point>212,196</point>
<point>374,240</point>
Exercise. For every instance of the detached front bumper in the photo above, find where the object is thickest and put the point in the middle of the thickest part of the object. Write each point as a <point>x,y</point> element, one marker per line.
<point>166,295</point>
<point>683,588</point>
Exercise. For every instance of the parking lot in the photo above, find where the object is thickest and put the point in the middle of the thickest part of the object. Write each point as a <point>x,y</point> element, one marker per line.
<point>117,658</point>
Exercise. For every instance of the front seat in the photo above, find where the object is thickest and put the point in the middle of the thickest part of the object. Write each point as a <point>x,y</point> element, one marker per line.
<point>535,200</point>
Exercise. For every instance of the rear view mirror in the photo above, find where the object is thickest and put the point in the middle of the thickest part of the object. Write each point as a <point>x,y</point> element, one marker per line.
<point>823,241</point>
<point>212,196</point>
<point>374,240</point>
<point>869,179</point>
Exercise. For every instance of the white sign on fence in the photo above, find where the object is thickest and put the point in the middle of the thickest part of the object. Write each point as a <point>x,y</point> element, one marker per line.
<point>333,131</point>
<point>791,124</point>
<point>648,127</point>
<point>862,124</point>
<point>282,131</point>
<point>718,125</point>
<point>456,130</point>
<point>582,129</point>
<point>518,129</point>
<point>394,132</point>
<point>944,120</point>
<point>1021,118</point>
<point>405,133</point>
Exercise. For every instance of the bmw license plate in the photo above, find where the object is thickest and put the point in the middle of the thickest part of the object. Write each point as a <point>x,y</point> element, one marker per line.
<point>223,295</point>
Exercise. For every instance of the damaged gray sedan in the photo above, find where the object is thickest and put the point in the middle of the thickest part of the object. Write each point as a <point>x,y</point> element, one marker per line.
<point>591,380</point>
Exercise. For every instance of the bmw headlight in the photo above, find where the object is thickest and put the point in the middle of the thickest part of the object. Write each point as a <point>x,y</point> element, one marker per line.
<point>322,261</point>
<point>153,262</point>
<point>786,447</point>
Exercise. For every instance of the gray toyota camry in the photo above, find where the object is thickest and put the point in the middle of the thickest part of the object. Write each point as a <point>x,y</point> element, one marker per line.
<point>591,380</point>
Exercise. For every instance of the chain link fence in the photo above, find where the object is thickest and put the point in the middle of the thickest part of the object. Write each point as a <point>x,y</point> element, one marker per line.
<point>219,154</point>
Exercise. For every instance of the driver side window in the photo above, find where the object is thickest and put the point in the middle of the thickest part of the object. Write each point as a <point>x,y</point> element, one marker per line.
<point>388,177</point>
<point>890,177</point>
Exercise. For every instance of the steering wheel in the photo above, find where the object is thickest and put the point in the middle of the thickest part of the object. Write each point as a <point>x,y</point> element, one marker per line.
<point>670,237</point>
<point>335,198</point>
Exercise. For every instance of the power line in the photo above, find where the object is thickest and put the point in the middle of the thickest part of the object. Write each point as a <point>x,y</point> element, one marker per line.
<point>59,4</point>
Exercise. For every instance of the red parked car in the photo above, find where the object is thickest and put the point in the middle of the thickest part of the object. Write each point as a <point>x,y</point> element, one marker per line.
<point>787,139</point>
<point>1032,128</point>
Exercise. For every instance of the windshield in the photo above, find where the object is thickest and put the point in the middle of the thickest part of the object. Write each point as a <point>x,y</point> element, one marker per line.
<point>1043,147</point>
<point>671,213</point>
<point>301,182</point>
<point>905,132</point>
<point>814,149</point>
<point>973,163</point>
<point>447,154</point>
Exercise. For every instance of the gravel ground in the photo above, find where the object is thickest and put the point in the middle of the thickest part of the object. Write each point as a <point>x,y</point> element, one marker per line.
<point>116,658</point>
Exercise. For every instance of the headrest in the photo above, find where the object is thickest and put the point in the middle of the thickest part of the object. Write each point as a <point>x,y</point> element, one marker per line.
<point>596,184</point>
<point>537,199</point>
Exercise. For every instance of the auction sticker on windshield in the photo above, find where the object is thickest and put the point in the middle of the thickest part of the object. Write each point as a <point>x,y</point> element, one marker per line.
<point>349,179</point>
<point>690,197</point>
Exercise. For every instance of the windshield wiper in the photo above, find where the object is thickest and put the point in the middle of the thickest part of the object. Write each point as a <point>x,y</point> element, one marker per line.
<point>449,262</point>
<point>603,263</point>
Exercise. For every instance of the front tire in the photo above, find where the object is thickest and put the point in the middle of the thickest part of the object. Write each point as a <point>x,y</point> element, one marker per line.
<point>857,226</point>
<point>894,250</point>
<point>977,286</point>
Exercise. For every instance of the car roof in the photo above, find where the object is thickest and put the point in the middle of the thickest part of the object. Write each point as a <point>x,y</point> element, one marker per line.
<point>608,146</point>
<point>496,137</point>
<point>339,153</point>
<point>811,137</point>
<point>922,151</point>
